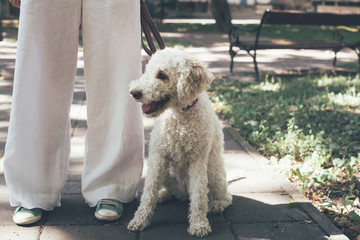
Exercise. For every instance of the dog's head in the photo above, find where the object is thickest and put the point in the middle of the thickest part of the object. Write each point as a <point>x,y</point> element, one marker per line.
<point>171,79</point>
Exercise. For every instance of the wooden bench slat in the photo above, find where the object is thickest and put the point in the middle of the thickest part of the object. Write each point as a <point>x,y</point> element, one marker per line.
<point>304,18</point>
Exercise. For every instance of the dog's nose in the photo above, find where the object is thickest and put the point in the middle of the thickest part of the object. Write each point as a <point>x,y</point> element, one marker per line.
<point>136,93</point>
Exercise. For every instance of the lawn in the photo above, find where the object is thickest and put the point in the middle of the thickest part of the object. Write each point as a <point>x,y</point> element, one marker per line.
<point>314,33</point>
<point>288,32</point>
<point>309,128</point>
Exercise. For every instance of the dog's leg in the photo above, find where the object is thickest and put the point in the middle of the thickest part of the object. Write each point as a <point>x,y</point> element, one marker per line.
<point>198,193</point>
<point>153,181</point>
<point>219,197</point>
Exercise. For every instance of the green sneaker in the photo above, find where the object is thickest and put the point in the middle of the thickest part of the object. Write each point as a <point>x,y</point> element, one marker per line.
<point>24,216</point>
<point>108,210</point>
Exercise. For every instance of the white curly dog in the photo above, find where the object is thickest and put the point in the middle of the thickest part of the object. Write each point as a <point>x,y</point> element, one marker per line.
<point>186,145</point>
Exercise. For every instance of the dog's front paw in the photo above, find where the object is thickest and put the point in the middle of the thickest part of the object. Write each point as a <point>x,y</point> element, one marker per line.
<point>199,229</point>
<point>137,225</point>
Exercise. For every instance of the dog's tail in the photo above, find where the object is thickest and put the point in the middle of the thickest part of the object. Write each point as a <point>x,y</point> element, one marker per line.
<point>234,175</point>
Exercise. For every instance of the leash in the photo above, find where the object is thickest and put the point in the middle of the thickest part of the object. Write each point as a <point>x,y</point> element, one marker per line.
<point>149,28</point>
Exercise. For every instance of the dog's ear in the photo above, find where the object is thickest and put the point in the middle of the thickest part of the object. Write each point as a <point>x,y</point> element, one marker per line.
<point>193,81</point>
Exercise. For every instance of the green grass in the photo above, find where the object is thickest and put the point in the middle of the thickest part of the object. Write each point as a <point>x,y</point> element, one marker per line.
<point>306,102</point>
<point>186,27</point>
<point>308,127</point>
<point>168,43</point>
<point>315,33</point>
<point>178,43</point>
<point>288,32</point>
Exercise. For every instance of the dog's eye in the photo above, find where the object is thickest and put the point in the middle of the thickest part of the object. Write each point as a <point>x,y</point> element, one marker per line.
<point>162,76</point>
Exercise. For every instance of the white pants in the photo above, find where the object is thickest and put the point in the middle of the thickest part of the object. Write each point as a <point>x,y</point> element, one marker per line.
<point>38,145</point>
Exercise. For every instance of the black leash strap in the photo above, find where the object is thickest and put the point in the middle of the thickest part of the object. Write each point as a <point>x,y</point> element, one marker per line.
<point>149,28</point>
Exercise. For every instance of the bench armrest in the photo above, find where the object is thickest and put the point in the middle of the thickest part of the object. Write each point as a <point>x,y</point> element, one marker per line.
<point>234,33</point>
<point>337,34</point>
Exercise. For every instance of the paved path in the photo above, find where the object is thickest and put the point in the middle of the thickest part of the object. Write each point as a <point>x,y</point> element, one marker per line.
<point>214,50</point>
<point>265,205</point>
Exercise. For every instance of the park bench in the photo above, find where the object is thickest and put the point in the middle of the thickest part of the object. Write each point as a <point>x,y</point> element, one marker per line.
<point>270,17</point>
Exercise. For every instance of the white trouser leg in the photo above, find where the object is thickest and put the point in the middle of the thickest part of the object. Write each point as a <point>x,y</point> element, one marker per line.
<point>38,144</point>
<point>114,142</point>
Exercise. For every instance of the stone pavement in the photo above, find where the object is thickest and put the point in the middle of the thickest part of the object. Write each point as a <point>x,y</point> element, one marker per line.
<point>265,204</point>
<point>213,49</point>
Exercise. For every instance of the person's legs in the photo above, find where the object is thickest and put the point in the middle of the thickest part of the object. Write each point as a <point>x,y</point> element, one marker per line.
<point>38,143</point>
<point>114,141</point>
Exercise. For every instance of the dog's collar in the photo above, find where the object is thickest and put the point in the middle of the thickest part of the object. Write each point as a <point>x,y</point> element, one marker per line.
<point>191,105</point>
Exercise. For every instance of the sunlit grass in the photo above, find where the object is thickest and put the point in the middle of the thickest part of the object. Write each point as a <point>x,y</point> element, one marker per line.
<point>308,127</point>
<point>289,32</point>
<point>313,102</point>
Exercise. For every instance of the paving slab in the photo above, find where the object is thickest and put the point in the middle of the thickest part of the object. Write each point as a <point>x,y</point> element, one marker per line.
<point>278,231</point>
<point>88,232</point>
<point>6,212</point>
<point>74,211</point>
<point>220,230</point>
<point>13,233</point>
<point>254,181</point>
<point>256,210</point>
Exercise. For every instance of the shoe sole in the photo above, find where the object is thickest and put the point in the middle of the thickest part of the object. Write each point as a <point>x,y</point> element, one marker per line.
<point>106,218</point>
<point>28,221</point>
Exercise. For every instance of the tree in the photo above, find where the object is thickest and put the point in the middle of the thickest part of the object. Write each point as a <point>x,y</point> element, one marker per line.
<point>221,13</point>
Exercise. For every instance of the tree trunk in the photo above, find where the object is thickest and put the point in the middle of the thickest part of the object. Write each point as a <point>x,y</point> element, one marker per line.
<point>221,13</point>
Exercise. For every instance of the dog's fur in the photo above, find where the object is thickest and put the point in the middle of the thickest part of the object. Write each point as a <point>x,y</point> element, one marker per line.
<point>186,146</point>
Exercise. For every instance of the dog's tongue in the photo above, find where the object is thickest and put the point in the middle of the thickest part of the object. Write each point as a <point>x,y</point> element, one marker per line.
<point>148,108</point>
